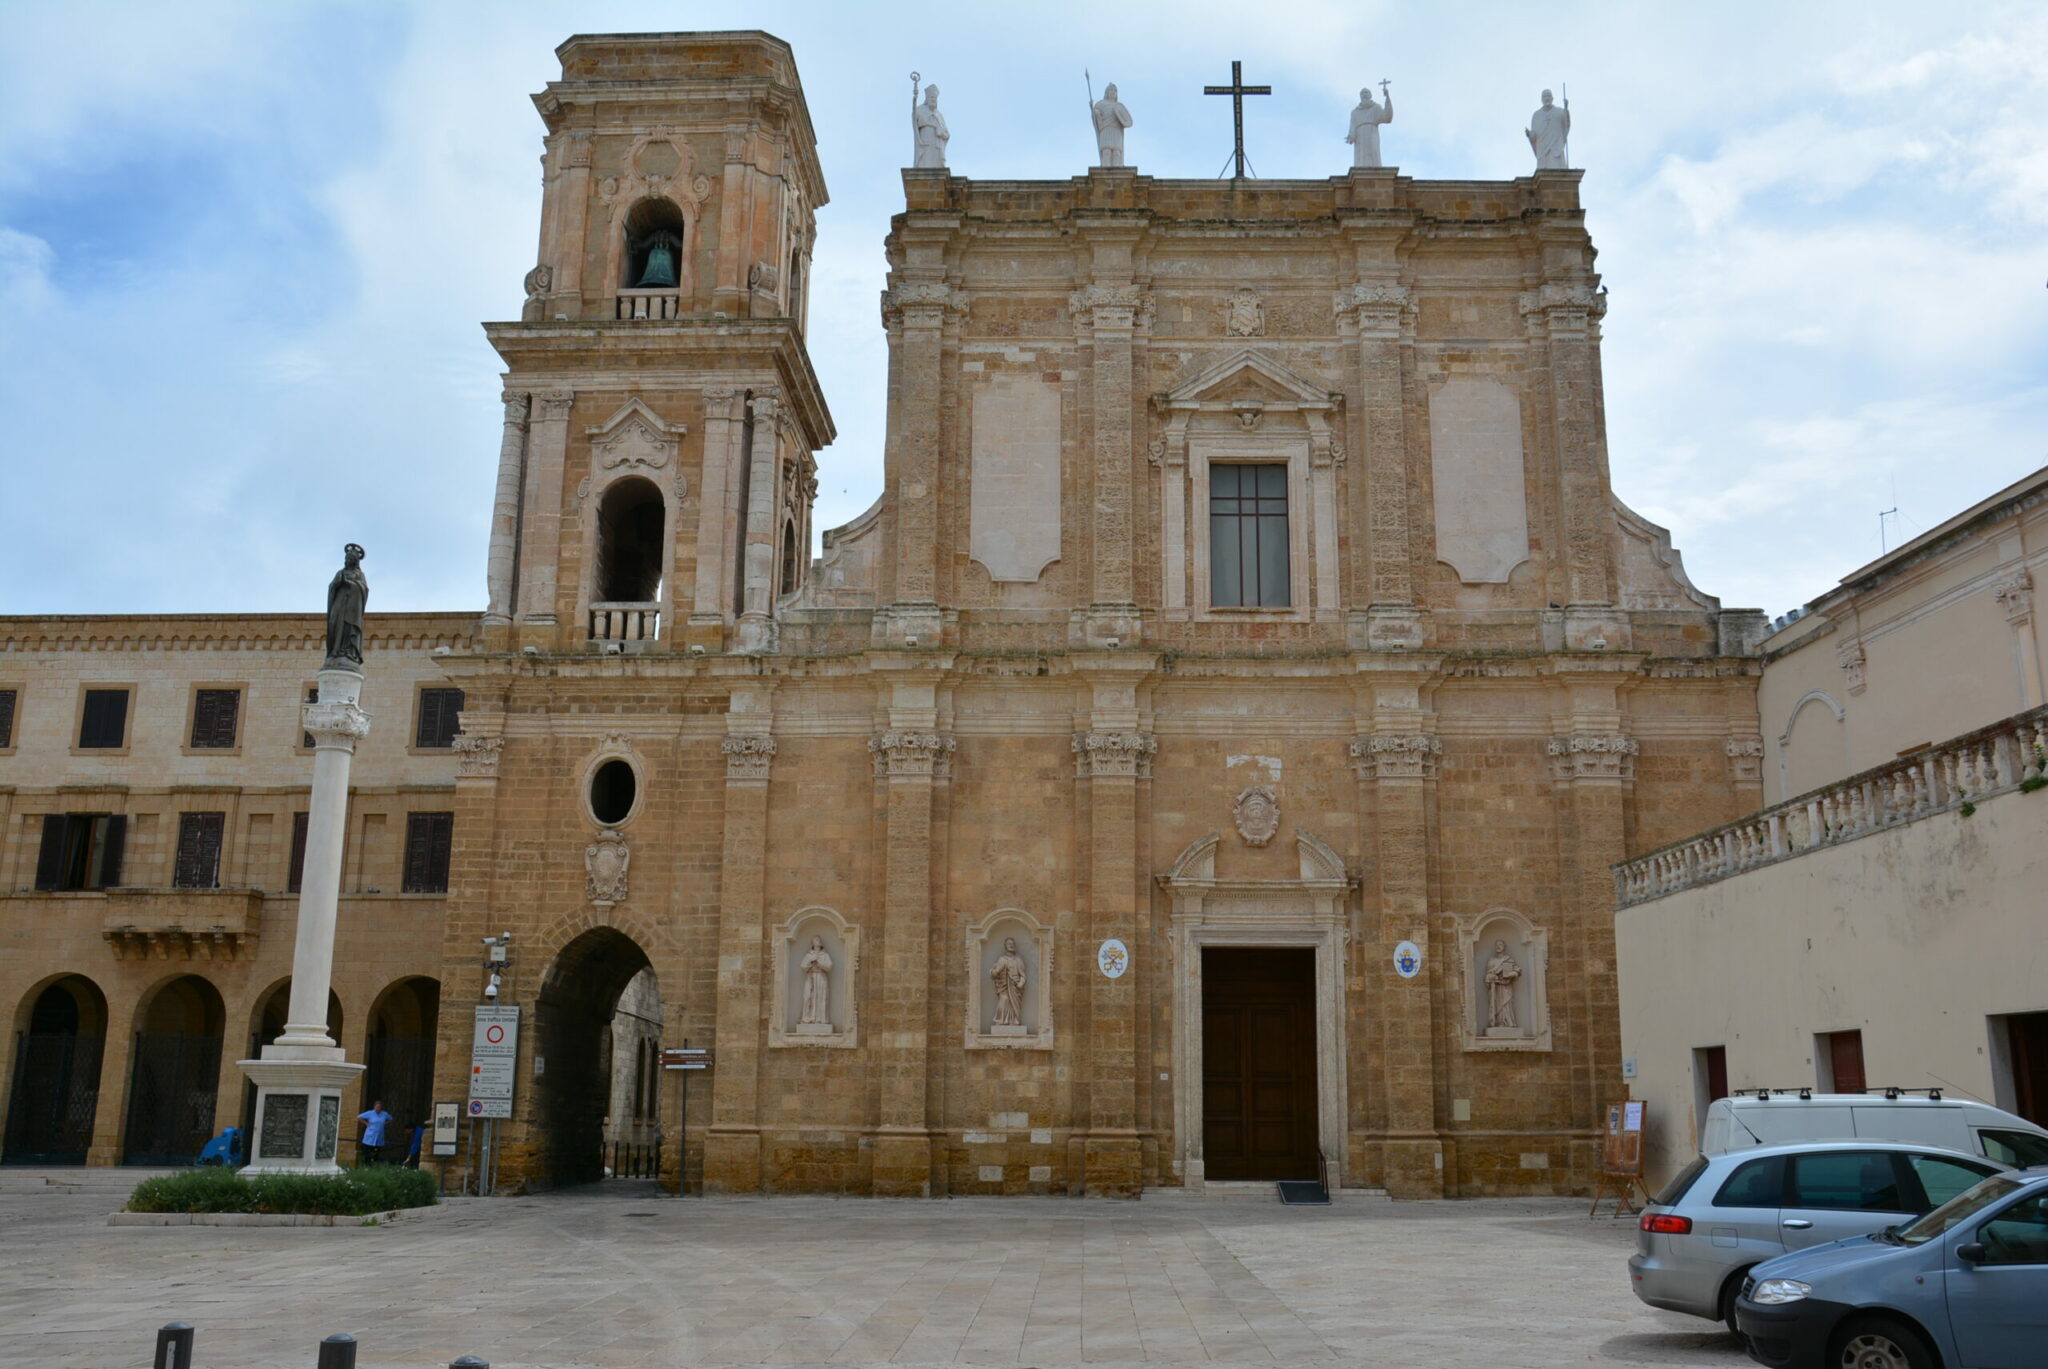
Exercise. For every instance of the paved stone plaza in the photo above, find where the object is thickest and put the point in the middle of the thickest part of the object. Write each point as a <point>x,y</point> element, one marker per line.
<point>621,1276</point>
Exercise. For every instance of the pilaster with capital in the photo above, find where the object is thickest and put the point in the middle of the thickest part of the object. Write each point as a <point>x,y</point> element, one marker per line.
<point>541,523</point>
<point>504,549</point>
<point>565,178</point>
<point>756,622</point>
<point>1380,313</point>
<point>732,1146</point>
<point>917,315</point>
<point>2014,591</point>
<point>717,522</point>
<point>1562,319</point>
<point>1108,315</point>
<point>1396,755</point>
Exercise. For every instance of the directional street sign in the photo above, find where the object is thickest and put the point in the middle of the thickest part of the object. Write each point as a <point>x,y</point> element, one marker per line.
<point>493,1061</point>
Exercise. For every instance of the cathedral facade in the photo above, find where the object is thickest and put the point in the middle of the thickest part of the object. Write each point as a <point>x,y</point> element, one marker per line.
<point>1204,762</point>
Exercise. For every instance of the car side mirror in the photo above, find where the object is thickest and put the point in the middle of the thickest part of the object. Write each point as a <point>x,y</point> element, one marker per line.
<point>1972,1253</point>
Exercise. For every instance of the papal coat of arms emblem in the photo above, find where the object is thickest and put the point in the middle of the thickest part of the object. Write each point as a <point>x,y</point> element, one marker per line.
<point>1257,812</point>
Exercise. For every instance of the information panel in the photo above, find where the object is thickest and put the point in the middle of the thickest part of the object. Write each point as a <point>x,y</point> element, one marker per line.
<point>493,1061</point>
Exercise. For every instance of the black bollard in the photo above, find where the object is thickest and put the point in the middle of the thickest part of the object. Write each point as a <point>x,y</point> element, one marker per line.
<point>469,1362</point>
<point>338,1351</point>
<point>174,1346</point>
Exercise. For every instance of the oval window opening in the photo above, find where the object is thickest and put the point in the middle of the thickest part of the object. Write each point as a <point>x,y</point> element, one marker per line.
<point>611,792</point>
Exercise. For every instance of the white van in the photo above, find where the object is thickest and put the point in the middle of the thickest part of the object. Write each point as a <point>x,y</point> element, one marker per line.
<point>1767,1118</point>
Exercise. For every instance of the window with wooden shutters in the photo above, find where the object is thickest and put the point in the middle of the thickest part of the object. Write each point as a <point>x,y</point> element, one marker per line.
<point>103,725</point>
<point>215,714</point>
<point>440,712</point>
<point>199,842</point>
<point>1248,536</point>
<point>295,878</point>
<point>80,850</point>
<point>429,839</point>
<point>7,698</point>
<point>312,697</point>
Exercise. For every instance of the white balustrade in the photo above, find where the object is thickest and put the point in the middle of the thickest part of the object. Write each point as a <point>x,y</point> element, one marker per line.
<point>622,622</point>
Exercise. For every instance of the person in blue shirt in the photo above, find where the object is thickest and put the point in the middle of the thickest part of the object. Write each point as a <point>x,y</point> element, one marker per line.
<point>412,1152</point>
<point>375,1121</point>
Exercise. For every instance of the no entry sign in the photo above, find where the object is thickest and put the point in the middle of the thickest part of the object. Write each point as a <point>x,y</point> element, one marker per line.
<point>493,1061</point>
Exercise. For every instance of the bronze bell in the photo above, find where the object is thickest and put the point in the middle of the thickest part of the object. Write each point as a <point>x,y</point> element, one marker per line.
<point>661,263</point>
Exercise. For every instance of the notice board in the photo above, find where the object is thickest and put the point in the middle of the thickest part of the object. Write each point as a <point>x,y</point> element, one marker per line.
<point>1621,1147</point>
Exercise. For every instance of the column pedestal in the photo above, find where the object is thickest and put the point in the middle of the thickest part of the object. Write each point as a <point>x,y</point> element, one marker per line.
<point>298,1112</point>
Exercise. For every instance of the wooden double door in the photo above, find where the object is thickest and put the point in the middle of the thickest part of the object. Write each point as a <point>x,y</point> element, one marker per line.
<point>1259,1063</point>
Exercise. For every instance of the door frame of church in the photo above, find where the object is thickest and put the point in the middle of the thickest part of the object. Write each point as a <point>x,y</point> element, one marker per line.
<point>1312,912</point>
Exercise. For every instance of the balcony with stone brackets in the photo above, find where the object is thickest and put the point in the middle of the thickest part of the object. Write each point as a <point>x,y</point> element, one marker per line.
<point>192,924</point>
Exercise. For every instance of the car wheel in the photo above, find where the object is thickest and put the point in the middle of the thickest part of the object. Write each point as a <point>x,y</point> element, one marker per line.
<point>1729,1292</point>
<point>1880,1343</point>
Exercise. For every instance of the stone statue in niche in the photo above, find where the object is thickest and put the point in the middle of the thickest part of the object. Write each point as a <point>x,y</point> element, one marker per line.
<point>815,1013</point>
<point>1008,977</point>
<point>347,592</point>
<point>1257,811</point>
<point>1501,974</point>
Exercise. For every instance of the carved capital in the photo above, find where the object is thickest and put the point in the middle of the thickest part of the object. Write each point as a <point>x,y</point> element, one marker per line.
<point>1111,306</point>
<point>539,281</point>
<point>1396,756</point>
<point>1851,659</point>
<point>748,757</point>
<point>722,402</point>
<point>1120,754</point>
<point>476,758</point>
<point>1562,305</point>
<point>1377,308</point>
<point>1746,759</point>
<point>1593,756</point>
<point>577,150</point>
<point>2015,594</point>
<point>921,302</point>
<point>899,754</point>
<point>336,722</point>
<point>555,405</point>
<point>517,405</point>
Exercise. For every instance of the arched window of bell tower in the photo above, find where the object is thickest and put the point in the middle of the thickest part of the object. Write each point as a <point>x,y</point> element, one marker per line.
<point>654,246</point>
<point>631,522</point>
<point>791,562</point>
<point>796,285</point>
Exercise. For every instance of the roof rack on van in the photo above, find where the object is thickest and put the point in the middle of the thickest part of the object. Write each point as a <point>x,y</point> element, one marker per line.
<point>1766,1094</point>
<point>1806,1093</point>
<point>1933,1095</point>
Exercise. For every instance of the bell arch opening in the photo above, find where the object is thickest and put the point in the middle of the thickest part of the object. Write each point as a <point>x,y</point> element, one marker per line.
<point>792,562</point>
<point>53,1101</point>
<point>583,1013</point>
<point>654,246</point>
<point>631,520</point>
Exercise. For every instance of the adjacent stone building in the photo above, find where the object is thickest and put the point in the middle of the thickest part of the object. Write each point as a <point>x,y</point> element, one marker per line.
<point>1245,655</point>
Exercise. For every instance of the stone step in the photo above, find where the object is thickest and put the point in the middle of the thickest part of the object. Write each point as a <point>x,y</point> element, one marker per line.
<point>1250,1191</point>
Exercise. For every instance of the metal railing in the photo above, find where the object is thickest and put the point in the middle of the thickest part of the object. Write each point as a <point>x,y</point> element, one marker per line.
<point>630,1161</point>
<point>649,304</point>
<point>625,622</point>
<point>1949,775</point>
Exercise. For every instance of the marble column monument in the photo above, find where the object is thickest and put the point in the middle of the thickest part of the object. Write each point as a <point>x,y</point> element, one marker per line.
<point>300,1076</point>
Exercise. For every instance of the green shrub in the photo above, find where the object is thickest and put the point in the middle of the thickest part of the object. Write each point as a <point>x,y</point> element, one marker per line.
<point>352,1193</point>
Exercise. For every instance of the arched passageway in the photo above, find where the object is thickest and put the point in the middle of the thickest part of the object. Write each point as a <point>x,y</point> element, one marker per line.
<point>265,1027</point>
<point>60,1037</point>
<point>575,1019</point>
<point>176,1073</point>
<point>399,1051</point>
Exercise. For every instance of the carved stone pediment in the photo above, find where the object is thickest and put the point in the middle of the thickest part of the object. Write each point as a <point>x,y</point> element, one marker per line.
<point>634,439</point>
<point>1248,374</point>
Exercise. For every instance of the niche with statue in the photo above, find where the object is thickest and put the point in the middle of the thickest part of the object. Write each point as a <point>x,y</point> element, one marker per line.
<point>1009,982</point>
<point>1505,960</point>
<point>817,957</point>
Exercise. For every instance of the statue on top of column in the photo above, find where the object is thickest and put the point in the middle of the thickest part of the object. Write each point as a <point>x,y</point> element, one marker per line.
<point>1549,134</point>
<point>928,127</point>
<point>1364,136</point>
<point>347,593</point>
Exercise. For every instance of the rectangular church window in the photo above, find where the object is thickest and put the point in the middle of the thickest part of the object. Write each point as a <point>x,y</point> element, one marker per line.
<point>199,843</point>
<point>440,714</point>
<point>215,713</point>
<point>7,698</point>
<point>1248,536</point>
<point>103,723</point>
<point>80,850</point>
<point>429,839</point>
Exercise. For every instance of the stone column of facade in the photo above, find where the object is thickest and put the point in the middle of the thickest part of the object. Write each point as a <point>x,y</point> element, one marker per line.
<point>1108,314</point>
<point>735,214</point>
<point>1111,758</point>
<point>300,1076</point>
<point>1593,764</point>
<point>716,481</point>
<point>1395,755</point>
<point>1563,319</point>
<point>732,1146</point>
<point>541,525</point>
<point>503,573</point>
<point>2014,592</point>
<point>1383,613</point>
<point>911,757</point>
<point>757,621</point>
<point>916,314</point>
<point>564,226</point>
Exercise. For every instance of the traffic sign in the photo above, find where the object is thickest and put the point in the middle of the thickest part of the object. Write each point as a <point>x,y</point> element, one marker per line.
<point>493,1061</point>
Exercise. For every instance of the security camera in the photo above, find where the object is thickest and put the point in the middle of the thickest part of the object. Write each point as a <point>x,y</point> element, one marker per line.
<point>529,650</point>
<point>490,991</point>
<point>614,648</point>
<point>910,641</point>
<point>1113,642</point>
<point>696,649</point>
<point>441,651</point>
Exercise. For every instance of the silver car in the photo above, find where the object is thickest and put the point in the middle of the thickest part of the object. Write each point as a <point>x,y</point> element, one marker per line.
<point>1725,1213</point>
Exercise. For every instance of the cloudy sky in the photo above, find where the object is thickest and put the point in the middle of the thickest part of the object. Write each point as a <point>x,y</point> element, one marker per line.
<point>244,251</point>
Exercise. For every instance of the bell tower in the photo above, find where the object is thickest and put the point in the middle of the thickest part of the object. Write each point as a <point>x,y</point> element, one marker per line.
<point>661,413</point>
